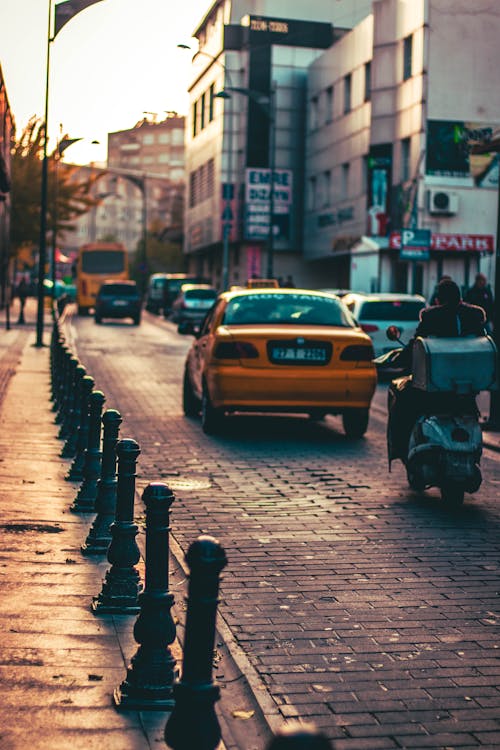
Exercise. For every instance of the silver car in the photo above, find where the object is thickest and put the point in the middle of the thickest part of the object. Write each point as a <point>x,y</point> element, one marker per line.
<point>375,312</point>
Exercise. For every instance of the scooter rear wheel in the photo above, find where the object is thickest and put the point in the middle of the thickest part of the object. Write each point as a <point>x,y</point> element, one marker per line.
<point>452,493</point>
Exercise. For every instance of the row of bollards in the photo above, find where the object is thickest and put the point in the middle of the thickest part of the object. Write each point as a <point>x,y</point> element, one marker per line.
<point>106,468</point>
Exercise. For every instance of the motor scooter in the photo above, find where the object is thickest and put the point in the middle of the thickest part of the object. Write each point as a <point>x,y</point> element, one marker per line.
<point>445,438</point>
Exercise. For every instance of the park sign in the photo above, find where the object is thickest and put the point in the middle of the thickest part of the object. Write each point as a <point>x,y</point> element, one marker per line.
<point>415,244</point>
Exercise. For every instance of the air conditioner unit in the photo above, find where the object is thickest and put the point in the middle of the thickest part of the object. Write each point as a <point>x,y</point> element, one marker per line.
<point>442,202</point>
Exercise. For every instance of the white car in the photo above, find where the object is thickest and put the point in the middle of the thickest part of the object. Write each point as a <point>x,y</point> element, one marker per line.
<point>375,312</point>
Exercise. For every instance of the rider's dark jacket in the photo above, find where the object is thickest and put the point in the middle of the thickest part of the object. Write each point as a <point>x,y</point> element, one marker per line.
<point>445,320</point>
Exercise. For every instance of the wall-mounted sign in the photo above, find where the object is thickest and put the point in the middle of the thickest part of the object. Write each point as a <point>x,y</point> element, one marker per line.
<point>265,30</point>
<point>448,152</point>
<point>379,182</point>
<point>462,243</point>
<point>258,203</point>
<point>415,244</point>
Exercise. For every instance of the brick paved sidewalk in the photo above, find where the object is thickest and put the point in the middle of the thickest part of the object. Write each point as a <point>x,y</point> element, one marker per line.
<point>59,664</point>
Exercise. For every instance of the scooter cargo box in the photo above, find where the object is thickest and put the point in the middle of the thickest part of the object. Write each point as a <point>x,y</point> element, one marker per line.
<point>466,364</point>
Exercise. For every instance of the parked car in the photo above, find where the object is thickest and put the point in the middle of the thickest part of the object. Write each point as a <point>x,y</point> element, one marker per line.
<point>192,303</point>
<point>118,299</point>
<point>172,286</point>
<point>154,292</point>
<point>280,350</point>
<point>375,312</point>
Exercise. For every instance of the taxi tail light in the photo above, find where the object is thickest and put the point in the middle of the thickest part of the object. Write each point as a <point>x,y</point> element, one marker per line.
<point>235,350</point>
<point>369,327</point>
<point>357,353</point>
<point>84,287</point>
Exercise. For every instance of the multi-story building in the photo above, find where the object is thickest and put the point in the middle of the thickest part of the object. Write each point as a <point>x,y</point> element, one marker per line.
<point>142,185</point>
<point>366,117</point>
<point>246,118</point>
<point>395,107</point>
<point>6,136</point>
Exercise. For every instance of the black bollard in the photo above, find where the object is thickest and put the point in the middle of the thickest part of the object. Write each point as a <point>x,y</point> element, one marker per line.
<point>62,383</point>
<point>121,586</point>
<point>193,722</point>
<point>77,439</point>
<point>99,536</point>
<point>72,379</point>
<point>297,736</point>
<point>86,496</point>
<point>150,676</point>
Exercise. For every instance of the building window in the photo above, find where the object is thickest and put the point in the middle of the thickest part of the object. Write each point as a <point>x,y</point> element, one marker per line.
<point>163,137</point>
<point>327,188</point>
<point>407,56</point>
<point>344,182</point>
<point>148,139</point>
<point>192,186</point>
<point>211,103</point>
<point>329,104</point>
<point>210,177</point>
<point>312,194</point>
<point>314,113</point>
<point>405,159</point>
<point>195,118</point>
<point>347,93</point>
<point>368,81</point>
<point>202,111</point>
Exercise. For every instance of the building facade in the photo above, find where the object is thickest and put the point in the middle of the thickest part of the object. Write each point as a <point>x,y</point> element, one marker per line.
<point>141,186</point>
<point>395,108</point>
<point>247,119</point>
<point>6,138</point>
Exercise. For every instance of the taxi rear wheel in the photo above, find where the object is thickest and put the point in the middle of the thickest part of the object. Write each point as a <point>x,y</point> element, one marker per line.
<point>355,422</point>
<point>190,404</point>
<point>211,417</point>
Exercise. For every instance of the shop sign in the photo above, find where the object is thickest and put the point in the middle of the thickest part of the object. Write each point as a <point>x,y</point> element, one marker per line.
<point>258,204</point>
<point>475,243</point>
<point>415,244</point>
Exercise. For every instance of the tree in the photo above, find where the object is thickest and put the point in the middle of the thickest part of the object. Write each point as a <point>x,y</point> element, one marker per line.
<point>68,197</point>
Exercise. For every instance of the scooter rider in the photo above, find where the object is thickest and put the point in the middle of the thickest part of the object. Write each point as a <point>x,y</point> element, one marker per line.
<point>450,317</point>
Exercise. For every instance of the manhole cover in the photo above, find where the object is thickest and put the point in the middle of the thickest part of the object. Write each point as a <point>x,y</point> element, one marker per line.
<point>189,484</point>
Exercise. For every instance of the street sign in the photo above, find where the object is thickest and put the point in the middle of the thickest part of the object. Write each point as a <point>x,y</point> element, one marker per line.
<point>415,244</point>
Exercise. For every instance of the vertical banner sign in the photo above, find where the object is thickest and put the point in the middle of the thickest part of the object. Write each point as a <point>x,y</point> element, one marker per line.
<point>257,203</point>
<point>415,244</point>
<point>65,11</point>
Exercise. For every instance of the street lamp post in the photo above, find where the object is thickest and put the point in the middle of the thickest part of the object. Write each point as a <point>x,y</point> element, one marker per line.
<point>62,145</point>
<point>267,103</point>
<point>228,187</point>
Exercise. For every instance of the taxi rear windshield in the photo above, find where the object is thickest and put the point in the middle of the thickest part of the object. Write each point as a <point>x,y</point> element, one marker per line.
<point>287,309</point>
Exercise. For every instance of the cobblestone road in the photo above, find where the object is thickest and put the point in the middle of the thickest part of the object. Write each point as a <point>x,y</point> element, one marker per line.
<point>359,606</point>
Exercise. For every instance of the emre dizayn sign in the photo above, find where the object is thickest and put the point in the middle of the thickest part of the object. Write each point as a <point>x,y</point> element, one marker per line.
<point>258,203</point>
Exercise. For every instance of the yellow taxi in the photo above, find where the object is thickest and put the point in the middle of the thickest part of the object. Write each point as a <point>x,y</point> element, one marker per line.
<point>280,350</point>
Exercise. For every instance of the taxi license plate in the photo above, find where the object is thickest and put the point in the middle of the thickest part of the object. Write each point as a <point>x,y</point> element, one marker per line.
<point>298,354</point>
<point>119,303</point>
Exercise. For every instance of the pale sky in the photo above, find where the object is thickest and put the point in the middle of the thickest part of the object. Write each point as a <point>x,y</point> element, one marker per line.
<point>109,64</point>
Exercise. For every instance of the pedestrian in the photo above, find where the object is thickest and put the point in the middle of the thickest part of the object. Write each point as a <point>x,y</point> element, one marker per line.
<point>480,294</point>
<point>22,293</point>
<point>289,282</point>
<point>434,296</point>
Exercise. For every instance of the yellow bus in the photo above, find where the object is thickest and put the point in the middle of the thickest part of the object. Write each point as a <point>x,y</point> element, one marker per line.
<point>98,261</point>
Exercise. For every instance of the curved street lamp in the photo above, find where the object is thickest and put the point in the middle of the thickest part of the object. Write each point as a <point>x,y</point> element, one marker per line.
<point>227,213</point>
